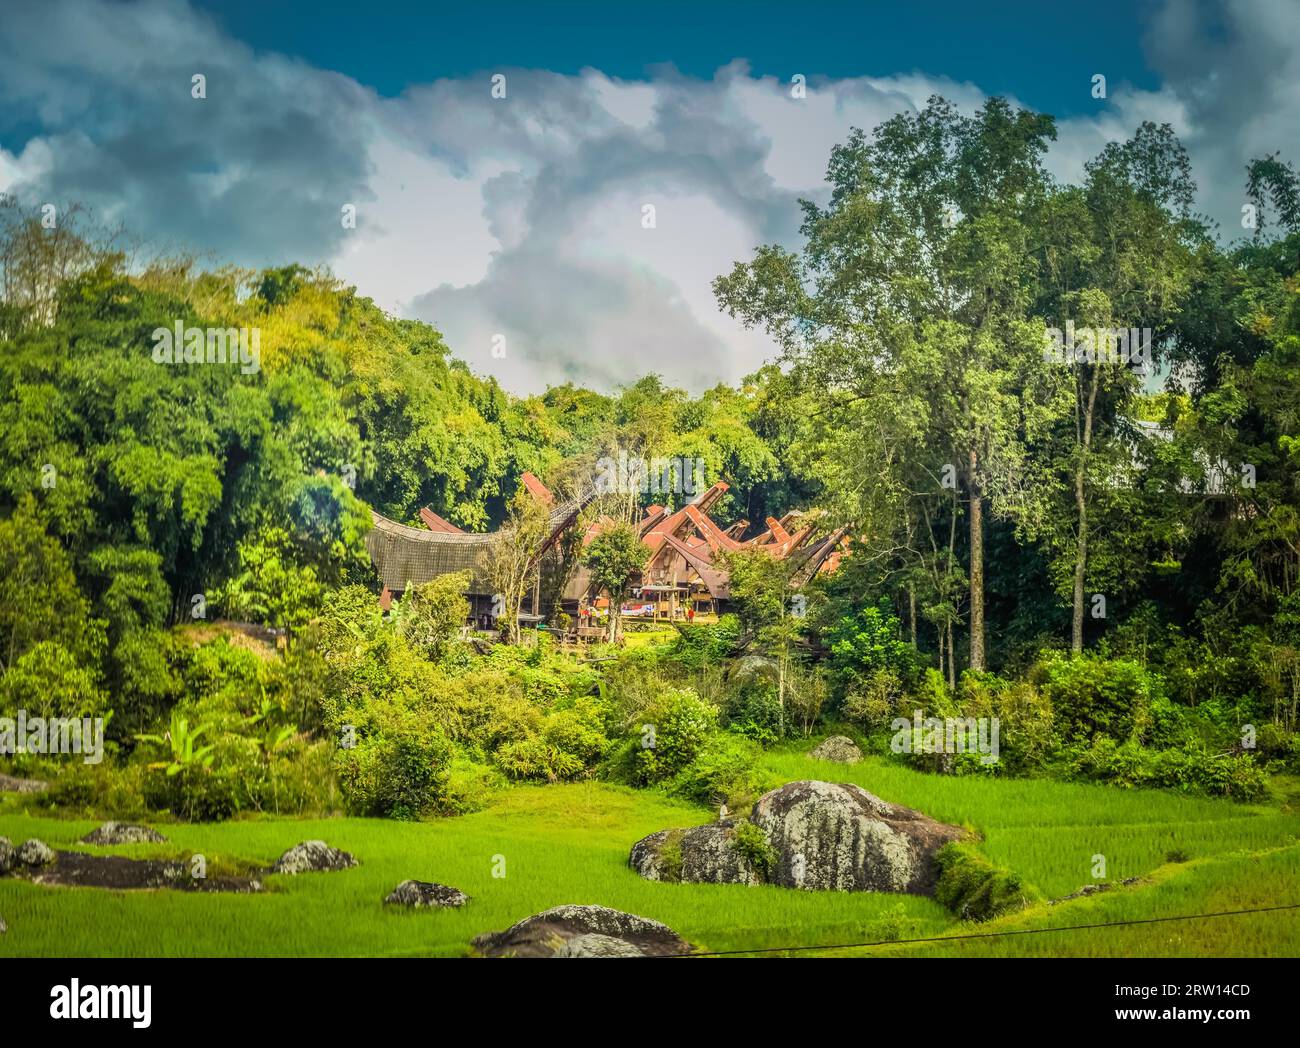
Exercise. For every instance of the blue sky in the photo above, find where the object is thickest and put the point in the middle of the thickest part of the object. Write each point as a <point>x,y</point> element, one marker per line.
<point>1037,50</point>
<point>518,221</point>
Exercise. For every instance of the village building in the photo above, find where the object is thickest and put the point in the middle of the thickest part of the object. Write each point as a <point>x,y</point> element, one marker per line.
<point>684,573</point>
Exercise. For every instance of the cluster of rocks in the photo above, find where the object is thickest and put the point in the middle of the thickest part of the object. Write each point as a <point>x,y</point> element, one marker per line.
<point>811,835</point>
<point>38,862</point>
<point>31,854</point>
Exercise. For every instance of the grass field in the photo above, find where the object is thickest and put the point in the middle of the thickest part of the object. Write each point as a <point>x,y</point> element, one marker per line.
<point>569,844</point>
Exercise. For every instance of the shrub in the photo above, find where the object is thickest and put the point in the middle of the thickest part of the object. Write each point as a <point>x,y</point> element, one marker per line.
<point>469,786</point>
<point>1092,696</point>
<point>806,693</point>
<point>697,646</point>
<point>87,789</point>
<point>1192,769</point>
<point>398,766</point>
<point>870,641</point>
<point>535,758</point>
<point>874,700</point>
<point>430,617</point>
<point>752,843</point>
<point>754,710</point>
<point>974,888</point>
<point>722,772</point>
<point>1273,742</point>
<point>1024,714</point>
<point>194,793</point>
<point>673,733</point>
<point>670,857</point>
<point>579,729</point>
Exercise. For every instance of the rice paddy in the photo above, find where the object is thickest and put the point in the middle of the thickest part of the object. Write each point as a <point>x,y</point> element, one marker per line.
<point>539,846</point>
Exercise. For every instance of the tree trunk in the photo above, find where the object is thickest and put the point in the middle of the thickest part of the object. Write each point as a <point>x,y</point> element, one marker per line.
<point>780,694</point>
<point>615,616</point>
<point>1081,504</point>
<point>952,658</point>
<point>976,568</point>
<point>911,612</point>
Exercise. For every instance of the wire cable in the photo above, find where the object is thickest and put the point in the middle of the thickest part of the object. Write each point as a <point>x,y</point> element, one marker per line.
<point>992,935</point>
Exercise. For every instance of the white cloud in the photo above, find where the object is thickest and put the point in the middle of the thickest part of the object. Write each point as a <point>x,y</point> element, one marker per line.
<point>522,216</point>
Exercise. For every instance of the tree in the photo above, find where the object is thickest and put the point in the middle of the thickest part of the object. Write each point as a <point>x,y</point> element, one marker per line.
<point>1275,178</point>
<point>39,253</point>
<point>1116,256</point>
<point>908,308</point>
<point>513,558</point>
<point>270,587</point>
<point>760,589</point>
<point>613,558</point>
<point>39,597</point>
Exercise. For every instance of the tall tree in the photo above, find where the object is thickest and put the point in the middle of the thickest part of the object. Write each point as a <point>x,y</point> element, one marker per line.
<point>513,558</point>
<point>912,295</point>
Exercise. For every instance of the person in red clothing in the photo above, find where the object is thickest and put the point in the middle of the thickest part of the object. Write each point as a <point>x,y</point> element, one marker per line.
<point>690,613</point>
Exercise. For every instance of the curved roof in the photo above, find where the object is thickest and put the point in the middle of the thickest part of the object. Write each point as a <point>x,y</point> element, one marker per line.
<point>404,555</point>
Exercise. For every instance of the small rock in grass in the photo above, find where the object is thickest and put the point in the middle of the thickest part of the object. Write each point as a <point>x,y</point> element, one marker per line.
<point>6,856</point>
<point>123,833</point>
<point>1093,889</point>
<point>311,856</point>
<point>425,893</point>
<point>838,748</point>
<point>3,927</point>
<point>9,784</point>
<point>35,853</point>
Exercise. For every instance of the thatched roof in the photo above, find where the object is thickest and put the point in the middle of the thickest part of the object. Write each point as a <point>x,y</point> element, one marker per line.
<point>405,555</point>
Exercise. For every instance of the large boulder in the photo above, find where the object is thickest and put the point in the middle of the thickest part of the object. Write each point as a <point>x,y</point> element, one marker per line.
<point>123,833</point>
<point>812,835</point>
<point>703,854</point>
<point>424,893</point>
<point>35,853</point>
<point>838,748</point>
<point>597,946</point>
<point>583,931</point>
<point>311,856</point>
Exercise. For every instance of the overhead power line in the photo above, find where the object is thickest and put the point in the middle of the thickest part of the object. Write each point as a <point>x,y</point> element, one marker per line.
<point>992,935</point>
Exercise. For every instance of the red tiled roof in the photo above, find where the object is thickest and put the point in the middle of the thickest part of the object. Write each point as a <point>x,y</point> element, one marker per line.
<point>436,523</point>
<point>537,489</point>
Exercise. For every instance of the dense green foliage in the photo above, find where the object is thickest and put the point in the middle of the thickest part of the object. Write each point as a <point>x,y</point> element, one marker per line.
<point>1104,562</point>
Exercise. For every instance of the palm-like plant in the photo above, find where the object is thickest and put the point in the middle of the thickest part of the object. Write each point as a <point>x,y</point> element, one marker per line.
<point>182,743</point>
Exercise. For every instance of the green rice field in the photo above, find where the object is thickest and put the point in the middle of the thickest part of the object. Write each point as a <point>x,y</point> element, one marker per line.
<point>569,844</point>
